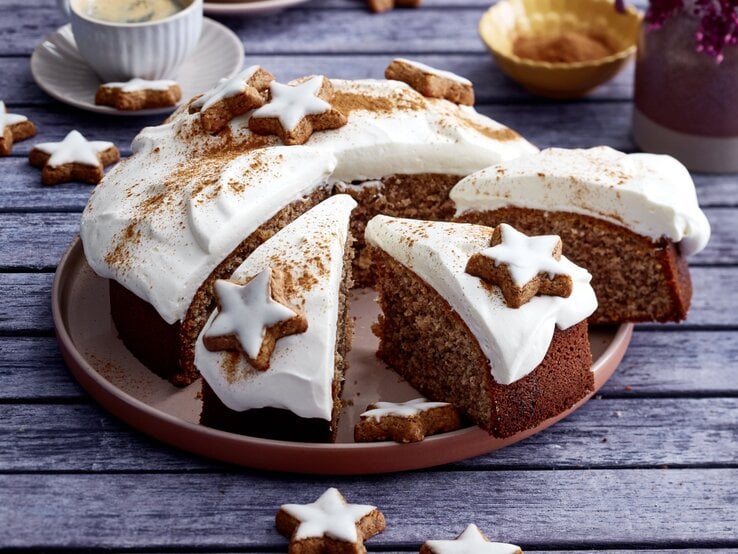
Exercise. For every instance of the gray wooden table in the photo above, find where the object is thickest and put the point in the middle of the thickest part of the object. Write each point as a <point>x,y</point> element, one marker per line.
<point>651,464</point>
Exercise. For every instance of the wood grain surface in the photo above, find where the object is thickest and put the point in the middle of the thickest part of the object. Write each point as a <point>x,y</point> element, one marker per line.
<point>650,465</point>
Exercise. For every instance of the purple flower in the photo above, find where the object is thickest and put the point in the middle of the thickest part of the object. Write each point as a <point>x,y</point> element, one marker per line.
<point>718,21</point>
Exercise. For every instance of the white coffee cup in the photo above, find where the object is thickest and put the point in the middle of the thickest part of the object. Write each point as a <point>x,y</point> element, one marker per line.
<point>148,50</point>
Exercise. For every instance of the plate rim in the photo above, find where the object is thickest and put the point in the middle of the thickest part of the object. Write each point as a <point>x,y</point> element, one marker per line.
<point>459,445</point>
<point>253,7</point>
<point>43,84</point>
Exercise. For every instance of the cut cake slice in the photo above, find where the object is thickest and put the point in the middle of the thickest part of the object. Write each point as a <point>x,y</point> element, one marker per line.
<point>298,396</point>
<point>452,336</point>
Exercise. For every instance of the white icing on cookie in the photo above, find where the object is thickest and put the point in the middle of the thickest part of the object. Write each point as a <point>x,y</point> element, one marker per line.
<point>515,340</point>
<point>75,148</point>
<point>329,516</point>
<point>138,85</point>
<point>247,311</point>
<point>437,72</point>
<point>226,88</point>
<point>472,541</point>
<point>290,104</point>
<point>7,119</point>
<point>402,409</point>
<point>525,256</point>
<point>311,252</point>
<point>652,195</point>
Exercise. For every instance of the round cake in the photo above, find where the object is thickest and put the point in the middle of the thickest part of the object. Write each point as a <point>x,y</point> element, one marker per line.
<point>232,235</point>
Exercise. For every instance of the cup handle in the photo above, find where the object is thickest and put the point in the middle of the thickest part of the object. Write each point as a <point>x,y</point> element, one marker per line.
<point>64,7</point>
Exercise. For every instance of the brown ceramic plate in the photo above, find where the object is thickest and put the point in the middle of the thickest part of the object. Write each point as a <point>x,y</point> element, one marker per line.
<point>102,365</point>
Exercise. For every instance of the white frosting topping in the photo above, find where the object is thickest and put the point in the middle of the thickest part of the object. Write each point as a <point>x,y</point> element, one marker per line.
<point>7,119</point>
<point>652,195</point>
<point>515,340</point>
<point>290,104</point>
<point>188,198</point>
<point>247,311</point>
<point>310,250</point>
<point>438,72</point>
<point>472,541</point>
<point>75,148</point>
<point>138,85</point>
<point>402,409</point>
<point>329,516</point>
<point>525,256</point>
<point>226,88</point>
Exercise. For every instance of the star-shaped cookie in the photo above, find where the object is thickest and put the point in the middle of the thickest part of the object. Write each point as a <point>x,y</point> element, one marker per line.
<point>405,422</point>
<point>138,94</point>
<point>13,128</point>
<point>329,524</point>
<point>252,316</point>
<point>73,159</point>
<point>431,82</point>
<point>522,266</point>
<point>295,111</point>
<point>232,97</point>
<point>471,541</point>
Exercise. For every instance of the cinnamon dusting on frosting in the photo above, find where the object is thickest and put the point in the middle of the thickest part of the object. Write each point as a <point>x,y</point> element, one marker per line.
<point>347,101</point>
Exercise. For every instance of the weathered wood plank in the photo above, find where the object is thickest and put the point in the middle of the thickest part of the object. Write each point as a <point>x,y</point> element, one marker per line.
<point>651,507</point>
<point>617,433</point>
<point>26,296</point>
<point>51,232</point>
<point>699,363</point>
<point>490,85</point>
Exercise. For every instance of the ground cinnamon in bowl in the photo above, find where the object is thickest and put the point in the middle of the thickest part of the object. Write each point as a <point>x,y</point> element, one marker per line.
<point>567,47</point>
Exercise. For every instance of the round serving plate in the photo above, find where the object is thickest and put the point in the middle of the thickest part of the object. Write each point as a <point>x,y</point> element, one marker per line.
<point>59,69</point>
<point>122,385</point>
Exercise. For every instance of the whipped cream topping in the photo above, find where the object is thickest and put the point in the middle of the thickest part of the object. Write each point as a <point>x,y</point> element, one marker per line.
<point>8,119</point>
<point>138,85</point>
<point>515,340</point>
<point>652,195</point>
<point>472,541</point>
<point>75,148</point>
<point>401,409</point>
<point>162,220</point>
<point>310,251</point>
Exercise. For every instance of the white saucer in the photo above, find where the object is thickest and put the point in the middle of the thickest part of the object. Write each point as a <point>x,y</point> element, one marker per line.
<point>61,72</point>
<point>254,7</point>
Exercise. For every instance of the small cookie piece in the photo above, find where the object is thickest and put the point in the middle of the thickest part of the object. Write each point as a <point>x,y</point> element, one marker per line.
<point>252,317</point>
<point>522,266</point>
<point>431,82</point>
<point>138,94</point>
<point>13,128</point>
<point>232,97</point>
<point>73,159</point>
<point>298,109</point>
<point>329,524</point>
<point>379,6</point>
<point>471,541</point>
<point>406,422</point>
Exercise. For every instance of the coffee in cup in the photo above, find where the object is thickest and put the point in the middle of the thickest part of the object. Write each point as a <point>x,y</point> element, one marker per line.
<point>129,11</point>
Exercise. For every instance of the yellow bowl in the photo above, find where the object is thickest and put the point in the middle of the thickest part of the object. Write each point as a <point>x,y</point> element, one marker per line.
<point>505,21</point>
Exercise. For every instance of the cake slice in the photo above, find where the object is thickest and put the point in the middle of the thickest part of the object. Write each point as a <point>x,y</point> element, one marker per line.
<point>631,220</point>
<point>454,338</point>
<point>292,392</point>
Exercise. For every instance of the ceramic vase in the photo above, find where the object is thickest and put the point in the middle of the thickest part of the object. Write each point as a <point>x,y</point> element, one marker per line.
<point>686,104</point>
